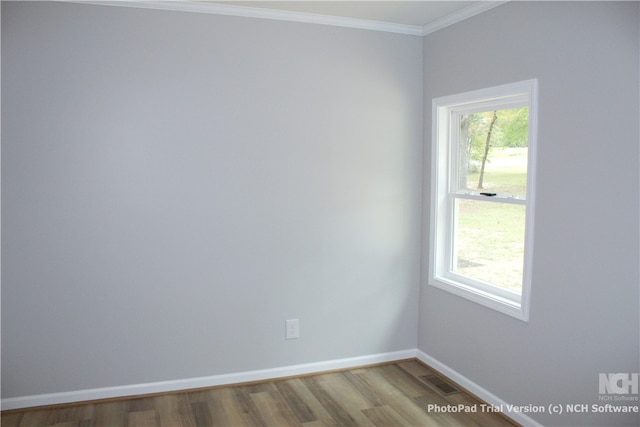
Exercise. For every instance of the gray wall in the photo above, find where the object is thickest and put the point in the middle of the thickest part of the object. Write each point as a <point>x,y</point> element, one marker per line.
<point>176,185</point>
<point>584,305</point>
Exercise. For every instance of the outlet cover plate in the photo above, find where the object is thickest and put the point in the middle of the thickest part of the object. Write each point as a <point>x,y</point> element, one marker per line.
<point>292,329</point>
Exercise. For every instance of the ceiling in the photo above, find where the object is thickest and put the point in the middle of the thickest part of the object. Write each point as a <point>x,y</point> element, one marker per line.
<point>413,13</point>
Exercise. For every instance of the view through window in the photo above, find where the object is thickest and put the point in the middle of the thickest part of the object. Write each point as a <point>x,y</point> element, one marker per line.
<point>492,159</point>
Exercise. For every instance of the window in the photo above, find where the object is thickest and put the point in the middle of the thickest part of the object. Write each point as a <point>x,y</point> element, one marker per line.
<point>482,195</point>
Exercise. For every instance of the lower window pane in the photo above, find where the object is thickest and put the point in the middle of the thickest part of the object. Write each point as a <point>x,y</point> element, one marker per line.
<point>489,242</point>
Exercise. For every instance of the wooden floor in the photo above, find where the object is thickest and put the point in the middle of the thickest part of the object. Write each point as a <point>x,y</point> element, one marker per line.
<point>398,394</point>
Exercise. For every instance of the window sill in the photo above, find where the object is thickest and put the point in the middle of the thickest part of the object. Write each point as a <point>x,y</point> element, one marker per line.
<point>487,299</point>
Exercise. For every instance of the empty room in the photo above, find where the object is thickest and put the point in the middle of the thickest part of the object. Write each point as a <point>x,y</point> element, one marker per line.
<point>320,213</point>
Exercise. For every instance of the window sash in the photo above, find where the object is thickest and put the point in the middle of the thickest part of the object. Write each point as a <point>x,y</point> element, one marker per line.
<point>489,199</point>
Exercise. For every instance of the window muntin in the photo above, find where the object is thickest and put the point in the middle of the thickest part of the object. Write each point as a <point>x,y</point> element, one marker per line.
<point>482,195</point>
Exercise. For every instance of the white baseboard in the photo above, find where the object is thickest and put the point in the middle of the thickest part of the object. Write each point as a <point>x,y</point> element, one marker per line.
<point>475,389</point>
<point>200,382</point>
<point>261,375</point>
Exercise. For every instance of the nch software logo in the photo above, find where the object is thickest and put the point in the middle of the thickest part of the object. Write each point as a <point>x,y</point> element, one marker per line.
<point>618,383</point>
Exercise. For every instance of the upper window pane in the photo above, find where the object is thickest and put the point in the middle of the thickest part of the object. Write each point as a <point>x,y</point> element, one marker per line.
<point>492,152</point>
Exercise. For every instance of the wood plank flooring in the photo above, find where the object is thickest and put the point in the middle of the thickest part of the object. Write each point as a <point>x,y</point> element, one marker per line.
<point>397,394</point>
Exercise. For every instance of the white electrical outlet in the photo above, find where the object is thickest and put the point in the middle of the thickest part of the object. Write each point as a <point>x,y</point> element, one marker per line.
<point>292,329</point>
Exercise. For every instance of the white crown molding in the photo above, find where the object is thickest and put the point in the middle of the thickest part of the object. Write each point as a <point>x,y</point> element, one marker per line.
<point>254,12</point>
<point>309,18</point>
<point>460,15</point>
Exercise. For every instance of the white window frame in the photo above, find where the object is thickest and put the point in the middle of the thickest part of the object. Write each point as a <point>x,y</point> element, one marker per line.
<point>512,95</point>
